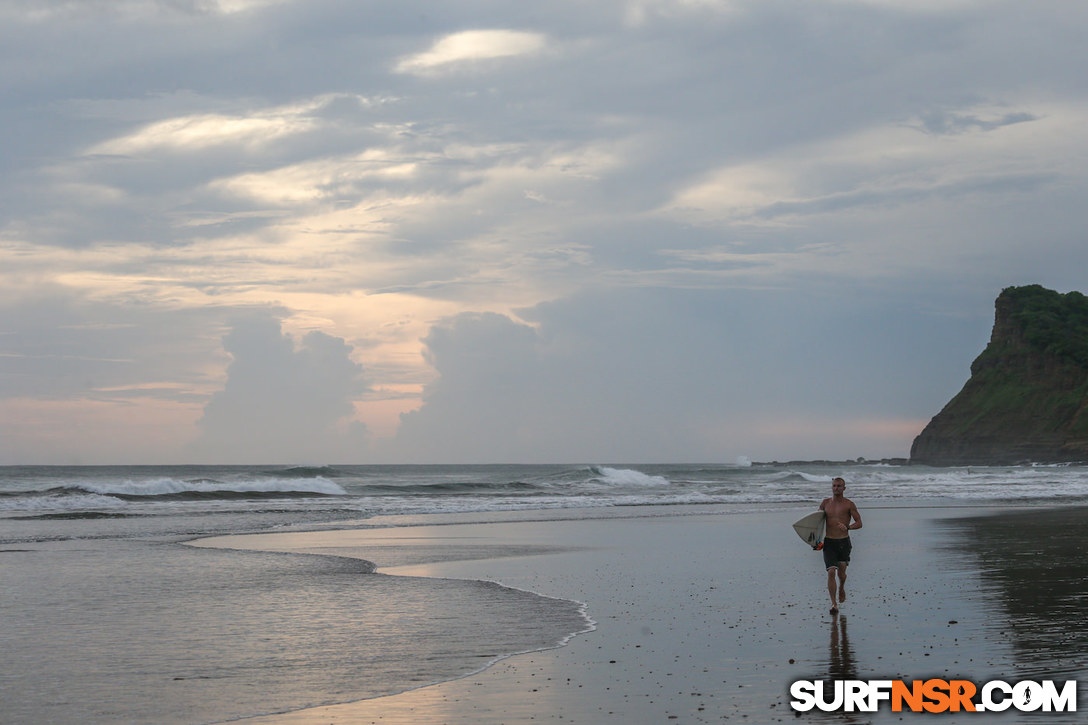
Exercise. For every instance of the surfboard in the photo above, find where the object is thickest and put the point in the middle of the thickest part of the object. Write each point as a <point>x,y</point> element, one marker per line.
<point>811,529</point>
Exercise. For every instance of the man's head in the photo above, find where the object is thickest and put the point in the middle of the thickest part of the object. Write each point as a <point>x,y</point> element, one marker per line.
<point>838,485</point>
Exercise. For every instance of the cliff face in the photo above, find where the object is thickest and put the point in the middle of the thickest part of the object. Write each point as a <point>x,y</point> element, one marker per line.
<point>1027,398</point>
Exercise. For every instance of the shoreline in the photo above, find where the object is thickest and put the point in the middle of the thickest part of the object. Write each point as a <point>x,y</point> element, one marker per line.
<point>683,628</point>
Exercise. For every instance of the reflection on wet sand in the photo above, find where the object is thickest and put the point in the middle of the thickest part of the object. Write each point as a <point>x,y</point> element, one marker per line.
<point>1034,565</point>
<point>841,665</point>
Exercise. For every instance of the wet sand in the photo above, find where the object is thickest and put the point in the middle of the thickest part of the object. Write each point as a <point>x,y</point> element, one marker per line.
<point>711,615</point>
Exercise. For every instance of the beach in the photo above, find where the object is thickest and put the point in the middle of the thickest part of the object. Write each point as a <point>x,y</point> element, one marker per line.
<point>700,615</point>
<point>179,595</point>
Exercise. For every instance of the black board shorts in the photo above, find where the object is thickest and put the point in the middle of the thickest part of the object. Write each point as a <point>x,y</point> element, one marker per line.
<point>837,551</point>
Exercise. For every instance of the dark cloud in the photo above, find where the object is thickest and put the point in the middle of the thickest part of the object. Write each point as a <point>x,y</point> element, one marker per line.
<point>646,375</point>
<point>490,374</point>
<point>943,122</point>
<point>284,400</point>
<point>986,185</point>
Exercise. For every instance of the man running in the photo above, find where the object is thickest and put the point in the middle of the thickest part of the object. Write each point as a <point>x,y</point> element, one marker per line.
<point>842,516</point>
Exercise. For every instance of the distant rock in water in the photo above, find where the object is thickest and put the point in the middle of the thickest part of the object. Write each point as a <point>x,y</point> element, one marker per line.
<point>1027,398</point>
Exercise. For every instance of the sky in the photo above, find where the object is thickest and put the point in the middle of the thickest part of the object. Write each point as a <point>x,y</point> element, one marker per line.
<point>342,231</point>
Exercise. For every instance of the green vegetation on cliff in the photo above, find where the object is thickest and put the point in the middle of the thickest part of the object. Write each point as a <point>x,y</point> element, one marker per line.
<point>1048,322</point>
<point>1027,398</point>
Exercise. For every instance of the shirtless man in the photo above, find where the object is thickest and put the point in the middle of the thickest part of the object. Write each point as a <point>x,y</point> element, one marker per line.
<point>842,517</point>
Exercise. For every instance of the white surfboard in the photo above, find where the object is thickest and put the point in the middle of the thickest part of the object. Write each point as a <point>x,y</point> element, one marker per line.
<point>811,528</point>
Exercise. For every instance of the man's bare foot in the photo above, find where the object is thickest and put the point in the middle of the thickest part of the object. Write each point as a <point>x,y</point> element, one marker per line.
<point>842,594</point>
<point>834,609</point>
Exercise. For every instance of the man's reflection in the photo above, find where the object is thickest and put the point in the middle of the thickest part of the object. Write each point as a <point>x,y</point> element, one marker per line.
<point>841,665</point>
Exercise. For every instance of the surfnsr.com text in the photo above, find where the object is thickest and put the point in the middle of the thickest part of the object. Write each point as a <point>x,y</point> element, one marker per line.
<point>933,695</point>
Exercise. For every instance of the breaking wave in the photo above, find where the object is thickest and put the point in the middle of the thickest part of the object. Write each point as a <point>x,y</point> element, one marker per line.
<point>109,494</point>
<point>204,488</point>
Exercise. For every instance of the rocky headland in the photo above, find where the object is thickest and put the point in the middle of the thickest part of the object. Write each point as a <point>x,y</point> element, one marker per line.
<point>1027,397</point>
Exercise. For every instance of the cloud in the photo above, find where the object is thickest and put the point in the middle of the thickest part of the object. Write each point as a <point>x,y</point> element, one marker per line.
<point>694,375</point>
<point>251,130</point>
<point>458,49</point>
<point>366,170</point>
<point>931,159</point>
<point>44,10</point>
<point>640,12</point>
<point>204,131</point>
<point>944,122</point>
<point>59,343</point>
<point>284,400</point>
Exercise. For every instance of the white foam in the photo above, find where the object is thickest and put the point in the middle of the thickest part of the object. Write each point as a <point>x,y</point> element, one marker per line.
<point>628,477</point>
<point>168,486</point>
<point>813,479</point>
<point>60,503</point>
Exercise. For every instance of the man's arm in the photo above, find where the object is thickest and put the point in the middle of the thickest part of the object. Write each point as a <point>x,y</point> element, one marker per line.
<point>855,516</point>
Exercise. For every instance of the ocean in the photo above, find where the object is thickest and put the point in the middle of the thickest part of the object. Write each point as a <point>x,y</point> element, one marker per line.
<point>107,616</point>
<point>60,501</point>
